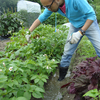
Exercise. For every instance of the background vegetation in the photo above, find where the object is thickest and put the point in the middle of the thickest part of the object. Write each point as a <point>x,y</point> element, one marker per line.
<point>10,5</point>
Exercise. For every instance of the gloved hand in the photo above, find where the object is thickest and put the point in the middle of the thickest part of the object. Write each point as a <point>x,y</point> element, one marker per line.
<point>27,37</point>
<point>75,37</point>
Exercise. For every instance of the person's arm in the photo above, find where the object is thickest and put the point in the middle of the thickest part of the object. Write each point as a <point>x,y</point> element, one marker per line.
<point>40,19</point>
<point>35,24</point>
<point>84,7</point>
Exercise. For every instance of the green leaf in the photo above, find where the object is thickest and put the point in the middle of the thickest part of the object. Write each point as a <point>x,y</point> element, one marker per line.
<point>41,83</point>
<point>30,62</point>
<point>15,82</point>
<point>10,83</point>
<point>45,76</point>
<point>33,77</point>
<point>92,93</point>
<point>1,85</point>
<point>12,56</point>
<point>39,89</point>
<point>44,80</point>
<point>10,28</point>
<point>37,94</point>
<point>36,80</point>
<point>3,60</point>
<point>2,53</point>
<point>14,98</point>
<point>20,93</point>
<point>32,87</point>
<point>25,80</point>
<point>27,95</point>
<point>21,98</point>
<point>3,78</point>
<point>15,25</point>
<point>21,69</point>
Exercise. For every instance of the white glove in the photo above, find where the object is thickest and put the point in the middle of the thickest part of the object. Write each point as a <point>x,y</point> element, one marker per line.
<point>75,37</point>
<point>27,37</point>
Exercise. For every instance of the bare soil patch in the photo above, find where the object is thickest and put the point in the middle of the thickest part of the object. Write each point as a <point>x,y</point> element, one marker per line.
<point>3,43</point>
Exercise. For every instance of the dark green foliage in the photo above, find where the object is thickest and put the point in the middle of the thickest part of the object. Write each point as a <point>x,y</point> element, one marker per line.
<point>9,22</point>
<point>96,5</point>
<point>8,4</point>
<point>98,13</point>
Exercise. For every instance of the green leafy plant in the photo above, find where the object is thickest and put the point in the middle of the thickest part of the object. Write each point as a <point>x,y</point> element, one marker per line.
<point>42,42</point>
<point>25,67</point>
<point>9,23</point>
<point>5,5</point>
<point>86,77</point>
<point>95,94</point>
<point>19,78</point>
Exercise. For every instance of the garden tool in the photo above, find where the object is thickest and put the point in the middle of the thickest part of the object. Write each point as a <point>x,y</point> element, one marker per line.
<point>62,73</point>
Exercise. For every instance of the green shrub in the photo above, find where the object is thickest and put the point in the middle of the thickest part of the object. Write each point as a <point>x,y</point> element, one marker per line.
<point>9,22</point>
<point>28,17</point>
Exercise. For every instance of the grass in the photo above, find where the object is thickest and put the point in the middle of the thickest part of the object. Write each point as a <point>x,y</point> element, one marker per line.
<point>98,13</point>
<point>96,2</point>
<point>85,49</point>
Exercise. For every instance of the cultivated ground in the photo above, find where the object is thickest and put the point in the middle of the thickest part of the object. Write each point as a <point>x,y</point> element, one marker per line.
<point>3,44</point>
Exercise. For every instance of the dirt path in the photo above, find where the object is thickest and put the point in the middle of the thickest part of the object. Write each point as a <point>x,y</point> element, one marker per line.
<point>3,43</point>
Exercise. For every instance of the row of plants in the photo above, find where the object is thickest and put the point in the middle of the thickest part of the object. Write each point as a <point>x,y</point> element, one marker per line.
<point>26,67</point>
<point>12,22</point>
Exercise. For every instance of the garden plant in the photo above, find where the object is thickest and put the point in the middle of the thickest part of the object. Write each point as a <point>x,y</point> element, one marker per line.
<point>26,67</point>
<point>10,22</point>
<point>86,77</point>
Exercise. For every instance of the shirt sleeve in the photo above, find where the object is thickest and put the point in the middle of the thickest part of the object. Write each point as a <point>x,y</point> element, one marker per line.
<point>44,15</point>
<point>86,9</point>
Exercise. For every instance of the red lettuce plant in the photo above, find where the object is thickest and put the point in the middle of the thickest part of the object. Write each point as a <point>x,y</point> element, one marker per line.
<point>86,76</point>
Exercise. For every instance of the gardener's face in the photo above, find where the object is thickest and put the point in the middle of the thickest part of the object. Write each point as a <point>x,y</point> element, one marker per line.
<point>51,5</point>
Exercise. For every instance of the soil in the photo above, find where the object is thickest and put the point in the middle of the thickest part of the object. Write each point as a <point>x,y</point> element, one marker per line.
<point>3,43</point>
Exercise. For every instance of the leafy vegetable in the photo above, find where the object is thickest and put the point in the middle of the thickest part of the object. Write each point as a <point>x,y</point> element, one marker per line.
<point>86,76</point>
